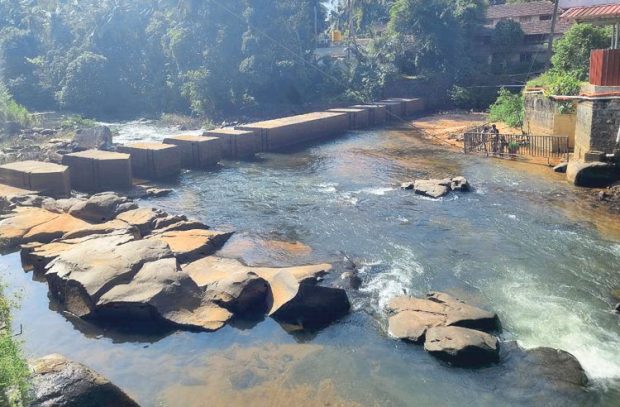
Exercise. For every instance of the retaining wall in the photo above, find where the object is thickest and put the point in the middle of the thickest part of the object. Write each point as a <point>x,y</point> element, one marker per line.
<point>289,131</point>
<point>543,117</point>
<point>598,123</point>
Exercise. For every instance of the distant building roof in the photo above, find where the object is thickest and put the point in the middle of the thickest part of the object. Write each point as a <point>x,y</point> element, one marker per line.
<point>520,10</point>
<point>544,27</point>
<point>602,12</point>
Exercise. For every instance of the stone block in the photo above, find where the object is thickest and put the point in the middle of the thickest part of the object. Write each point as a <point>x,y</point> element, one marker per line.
<point>197,151</point>
<point>377,114</point>
<point>409,107</point>
<point>237,143</point>
<point>290,131</point>
<point>358,117</point>
<point>153,160</point>
<point>394,110</point>
<point>45,178</point>
<point>98,171</point>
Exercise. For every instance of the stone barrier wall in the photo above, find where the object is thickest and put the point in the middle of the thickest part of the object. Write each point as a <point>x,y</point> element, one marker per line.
<point>543,118</point>
<point>153,160</point>
<point>358,117</point>
<point>197,151</point>
<point>44,178</point>
<point>598,122</point>
<point>237,143</point>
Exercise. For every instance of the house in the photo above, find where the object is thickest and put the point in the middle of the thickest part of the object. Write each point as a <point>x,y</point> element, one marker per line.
<point>535,19</point>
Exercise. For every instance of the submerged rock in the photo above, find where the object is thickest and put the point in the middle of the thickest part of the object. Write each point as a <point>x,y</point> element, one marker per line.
<point>59,382</point>
<point>462,346</point>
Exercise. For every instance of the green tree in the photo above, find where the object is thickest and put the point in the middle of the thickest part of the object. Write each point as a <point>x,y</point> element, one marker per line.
<point>572,51</point>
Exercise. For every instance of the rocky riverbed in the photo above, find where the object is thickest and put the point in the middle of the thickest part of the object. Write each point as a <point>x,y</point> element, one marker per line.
<point>329,219</point>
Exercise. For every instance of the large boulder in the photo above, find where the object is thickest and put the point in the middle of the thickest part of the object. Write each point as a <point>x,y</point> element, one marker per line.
<point>102,207</point>
<point>462,346</point>
<point>113,226</point>
<point>79,276</point>
<point>411,317</point>
<point>160,291</point>
<point>189,245</point>
<point>142,218</point>
<point>59,382</point>
<point>96,138</point>
<point>592,174</point>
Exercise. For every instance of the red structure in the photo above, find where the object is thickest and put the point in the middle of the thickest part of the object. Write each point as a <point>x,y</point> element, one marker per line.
<point>605,67</point>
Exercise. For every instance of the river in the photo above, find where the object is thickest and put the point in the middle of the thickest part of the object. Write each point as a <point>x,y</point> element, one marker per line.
<point>520,244</point>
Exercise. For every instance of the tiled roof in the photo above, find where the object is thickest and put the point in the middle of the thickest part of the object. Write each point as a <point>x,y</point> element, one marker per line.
<point>608,11</point>
<point>520,10</point>
<point>544,27</point>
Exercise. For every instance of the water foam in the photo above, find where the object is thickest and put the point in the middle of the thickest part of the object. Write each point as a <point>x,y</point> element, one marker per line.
<point>537,317</point>
<point>385,281</point>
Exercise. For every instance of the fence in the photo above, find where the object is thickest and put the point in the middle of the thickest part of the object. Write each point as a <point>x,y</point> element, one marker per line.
<point>516,145</point>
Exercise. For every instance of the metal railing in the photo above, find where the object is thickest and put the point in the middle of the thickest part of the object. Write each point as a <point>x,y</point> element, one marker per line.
<point>516,145</point>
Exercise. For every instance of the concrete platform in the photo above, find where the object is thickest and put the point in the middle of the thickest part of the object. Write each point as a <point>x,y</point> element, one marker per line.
<point>394,110</point>
<point>377,114</point>
<point>153,160</point>
<point>44,178</point>
<point>410,106</point>
<point>358,117</point>
<point>237,143</point>
<point>98,171</point>
<point>197,151</point>
<point>289,131</point>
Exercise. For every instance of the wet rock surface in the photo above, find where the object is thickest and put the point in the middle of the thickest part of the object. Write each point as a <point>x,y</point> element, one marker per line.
<point>462,346</point>
<point>437,188</point>
<point>59,382</point>
<point>449,328</point>
<point>592,174</point>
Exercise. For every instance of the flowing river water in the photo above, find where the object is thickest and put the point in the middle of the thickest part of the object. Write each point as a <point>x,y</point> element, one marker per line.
<point>520,244</point>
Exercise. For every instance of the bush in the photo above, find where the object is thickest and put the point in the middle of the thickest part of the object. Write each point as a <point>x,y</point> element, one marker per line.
<point>508,108</point>
<point>14,373</point>
<point>11,111</point>
<point>555,82</point>
<point>572,51</point>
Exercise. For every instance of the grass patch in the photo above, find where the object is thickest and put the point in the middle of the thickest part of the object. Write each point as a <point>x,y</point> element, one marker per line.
<point>77,122</point>
<point>14,372</point>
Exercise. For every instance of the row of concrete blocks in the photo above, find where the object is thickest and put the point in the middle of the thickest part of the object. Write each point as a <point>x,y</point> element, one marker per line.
<point>96,170</point>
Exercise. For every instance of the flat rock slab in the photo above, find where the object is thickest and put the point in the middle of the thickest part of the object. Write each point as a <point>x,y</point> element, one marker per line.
<point>462,346</point>
<point>59,382</point>
<point>45,178</point>
<point>197,151</point>
<point>411,317</point>
<point>237,143</point>
<point>189,245</point>
<point>98,171</point>
<point>29,224</point>
<point>431,188</point>
<point>101,207</point>
<point>153,160</point>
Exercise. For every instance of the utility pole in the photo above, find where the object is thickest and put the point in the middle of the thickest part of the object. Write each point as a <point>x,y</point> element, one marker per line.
<point>552,34</point>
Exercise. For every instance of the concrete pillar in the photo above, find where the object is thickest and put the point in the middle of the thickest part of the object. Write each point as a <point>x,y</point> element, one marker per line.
<point>197,151</point>
<point>377,114</point>
<point>44,178</point>
<point>153,160</point>
<point>358,117</point>
<point>98,171</point>
<point>237,143</point>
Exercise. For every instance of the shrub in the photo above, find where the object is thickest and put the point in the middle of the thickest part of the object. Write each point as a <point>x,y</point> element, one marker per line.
<point>508,108</point>
<point>11,111</point>
<point>14,373</point>
<point>572,51</point>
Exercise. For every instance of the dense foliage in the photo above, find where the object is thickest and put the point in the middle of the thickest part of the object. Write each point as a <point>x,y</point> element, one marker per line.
<point>127,57</point>
<point>14,371</point>
<point>571,53</point>
<point>508,108</point>
<point>11,111</point>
